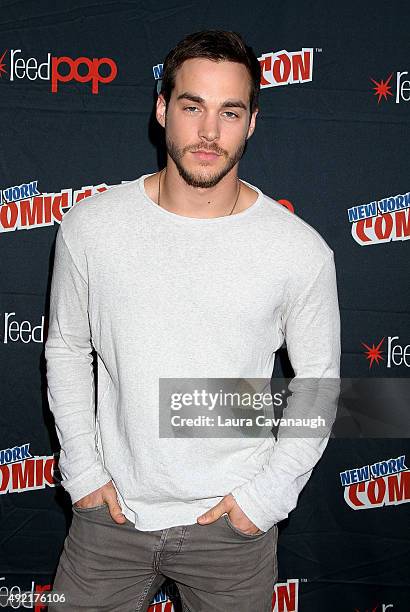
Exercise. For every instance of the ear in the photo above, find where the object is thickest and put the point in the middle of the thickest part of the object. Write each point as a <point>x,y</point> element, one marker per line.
<point>160,110</point>
<point>252,124</point>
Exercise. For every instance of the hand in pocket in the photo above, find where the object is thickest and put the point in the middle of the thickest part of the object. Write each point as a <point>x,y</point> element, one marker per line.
<point>104,495</point>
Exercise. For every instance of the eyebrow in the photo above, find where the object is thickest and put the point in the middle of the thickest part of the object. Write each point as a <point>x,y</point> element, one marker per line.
<point>227,104</point>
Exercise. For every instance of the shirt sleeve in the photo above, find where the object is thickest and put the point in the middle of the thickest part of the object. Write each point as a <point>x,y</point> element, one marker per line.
<point>312,335</point>
<point>70,378</point>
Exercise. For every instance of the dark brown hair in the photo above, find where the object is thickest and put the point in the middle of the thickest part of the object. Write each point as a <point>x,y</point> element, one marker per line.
<point>216,45</point>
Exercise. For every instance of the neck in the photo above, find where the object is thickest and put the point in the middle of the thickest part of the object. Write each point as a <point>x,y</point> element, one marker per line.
<point>204,202</point>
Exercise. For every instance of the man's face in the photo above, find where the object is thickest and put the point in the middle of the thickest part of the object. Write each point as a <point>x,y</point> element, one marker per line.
<point>208,119</point>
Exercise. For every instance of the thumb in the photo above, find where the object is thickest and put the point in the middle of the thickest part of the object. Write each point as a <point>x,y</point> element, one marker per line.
<point>115,511</point>
<point>213,514</point>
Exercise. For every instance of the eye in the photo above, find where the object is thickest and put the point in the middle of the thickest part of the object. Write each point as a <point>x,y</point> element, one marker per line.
<point>190,108</point>
<point>232,115</point>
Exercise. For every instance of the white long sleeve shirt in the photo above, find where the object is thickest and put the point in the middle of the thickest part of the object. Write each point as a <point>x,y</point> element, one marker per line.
<point>158,294</point>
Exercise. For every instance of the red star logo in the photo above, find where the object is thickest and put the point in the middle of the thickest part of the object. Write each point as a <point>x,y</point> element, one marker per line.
<point>374,353</point>
<point>382,88</point>
<point>2,64</point>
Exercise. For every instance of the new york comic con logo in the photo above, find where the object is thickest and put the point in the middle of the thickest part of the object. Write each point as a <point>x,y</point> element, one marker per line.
<point>59,69</point>
<point>383,483</point>
<point>382,220</point>
<point>21,471</point>
<point>277,68</point>
<point>383,88</point>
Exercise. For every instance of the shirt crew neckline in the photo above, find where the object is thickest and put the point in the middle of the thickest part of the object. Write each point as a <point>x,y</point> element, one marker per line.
<point>184,219</point>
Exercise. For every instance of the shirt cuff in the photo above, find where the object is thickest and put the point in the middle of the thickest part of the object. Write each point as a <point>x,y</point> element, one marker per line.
<point>83,484</point>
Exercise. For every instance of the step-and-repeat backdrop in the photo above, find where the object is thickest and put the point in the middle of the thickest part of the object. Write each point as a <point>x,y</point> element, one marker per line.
<point>78,84</point>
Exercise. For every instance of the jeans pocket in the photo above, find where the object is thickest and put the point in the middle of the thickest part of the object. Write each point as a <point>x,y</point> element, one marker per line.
<point>89,509</point>
<point>242,533</point>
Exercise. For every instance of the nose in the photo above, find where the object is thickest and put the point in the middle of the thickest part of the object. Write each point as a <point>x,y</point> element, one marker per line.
<point>209,127</point>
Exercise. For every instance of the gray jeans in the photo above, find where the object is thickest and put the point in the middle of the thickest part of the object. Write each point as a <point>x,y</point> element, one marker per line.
<point>111,567</point>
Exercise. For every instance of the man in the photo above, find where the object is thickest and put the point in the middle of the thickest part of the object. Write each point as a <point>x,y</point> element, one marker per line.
<point>188,272</point>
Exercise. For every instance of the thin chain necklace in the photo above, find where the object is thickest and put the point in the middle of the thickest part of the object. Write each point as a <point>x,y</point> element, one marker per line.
<point>159,191</point>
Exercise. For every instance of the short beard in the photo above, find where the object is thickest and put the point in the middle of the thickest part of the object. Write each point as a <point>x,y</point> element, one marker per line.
<point>196,180</point>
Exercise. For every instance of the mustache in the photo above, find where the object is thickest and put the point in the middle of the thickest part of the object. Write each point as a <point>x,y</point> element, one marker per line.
<point>213,149</point>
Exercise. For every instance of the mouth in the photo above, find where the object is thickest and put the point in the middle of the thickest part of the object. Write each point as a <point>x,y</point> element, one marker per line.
<point>205,155</point>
